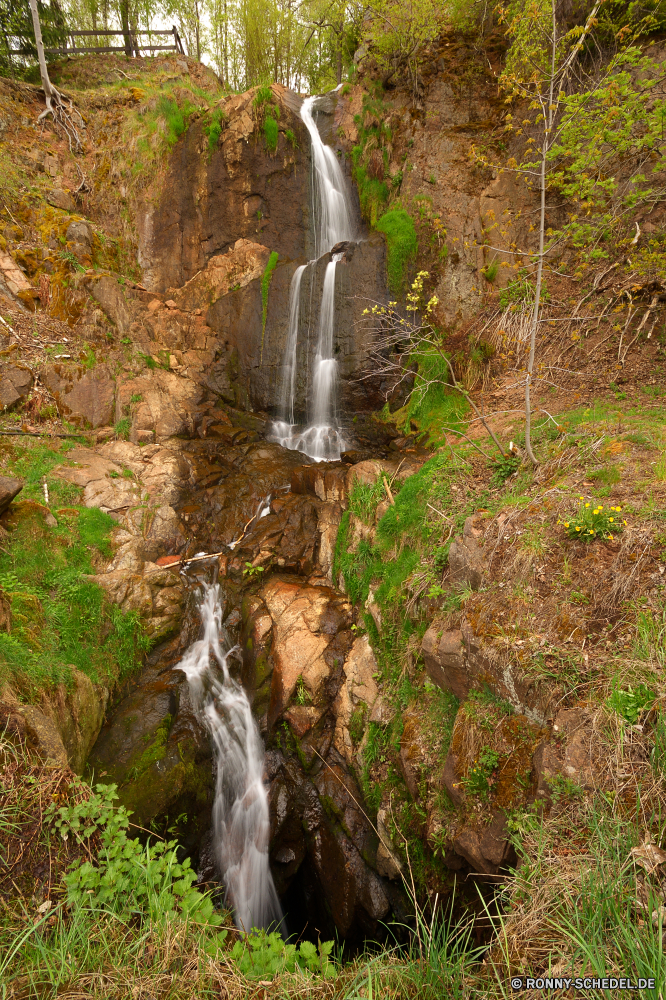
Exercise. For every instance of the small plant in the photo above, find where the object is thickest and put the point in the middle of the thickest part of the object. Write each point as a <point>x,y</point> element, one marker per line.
<point>432,179</point>
<point>503,468</point>
<point>123,428</point>
<point>250,570</point>
<point>214,130</point>
<point>68,256</point>
<point>480,775</point>
<point>260,955</point>
<point>564,788</point>
<point>302,696</point>
<point>491,271</point>
<point>594,521</point>
<point>291,138</point>
<point>630,703</point>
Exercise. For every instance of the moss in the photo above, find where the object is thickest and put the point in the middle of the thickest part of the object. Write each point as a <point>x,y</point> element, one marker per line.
<point>156,751</point>
<point>402,244</point>
<point>265,285</point>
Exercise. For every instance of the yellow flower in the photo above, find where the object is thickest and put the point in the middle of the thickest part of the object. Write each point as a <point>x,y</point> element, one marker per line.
<point>587,505</point>
<point>566,524</point>
<point>601,506</point>
<point>624,522</point>
<point>577,529</point>
<point>611,518</point>
<point>581,498</point>
<point>618,509</point>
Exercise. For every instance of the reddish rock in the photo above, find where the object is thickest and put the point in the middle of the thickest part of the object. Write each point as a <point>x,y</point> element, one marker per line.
<point>167,560</point>
<point>9,489</point>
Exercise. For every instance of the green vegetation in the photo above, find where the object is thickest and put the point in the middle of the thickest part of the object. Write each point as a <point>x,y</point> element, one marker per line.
<point>214,129</point>
<point>175,118</point>
<point>59,618</point>
<point>265,285</point>
<point>402,244</point>
<point>262,955</point>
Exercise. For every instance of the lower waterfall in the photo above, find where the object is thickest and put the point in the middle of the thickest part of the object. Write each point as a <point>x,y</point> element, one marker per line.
<point>241,827</point>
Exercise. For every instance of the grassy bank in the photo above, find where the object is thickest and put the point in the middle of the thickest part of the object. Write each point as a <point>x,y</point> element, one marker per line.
<point>57,618</point>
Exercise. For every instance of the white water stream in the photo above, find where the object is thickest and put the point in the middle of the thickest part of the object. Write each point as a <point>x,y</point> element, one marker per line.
<point>241,826</point>
<point>321,439</point>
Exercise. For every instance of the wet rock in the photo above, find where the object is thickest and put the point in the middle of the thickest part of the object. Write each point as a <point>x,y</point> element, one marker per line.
<point>9,489</point>
<point>320,840</point>
<point>157,753</point>
<point>326,482</point>
<point>466,559</point>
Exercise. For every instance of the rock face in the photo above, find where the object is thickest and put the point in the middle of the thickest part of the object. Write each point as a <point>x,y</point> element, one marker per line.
<point>309,676</point>
<point>458,662</point>
<point>241,191</point>
<point>65,723</point>
<point>156,751</point>
<point>85,397</point>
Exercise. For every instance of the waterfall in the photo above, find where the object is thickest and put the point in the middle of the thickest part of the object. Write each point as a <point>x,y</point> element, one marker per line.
<point>241,826</point>
<point>321,439</point>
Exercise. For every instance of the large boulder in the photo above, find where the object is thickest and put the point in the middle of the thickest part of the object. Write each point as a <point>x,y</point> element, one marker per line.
<point>9,489</point>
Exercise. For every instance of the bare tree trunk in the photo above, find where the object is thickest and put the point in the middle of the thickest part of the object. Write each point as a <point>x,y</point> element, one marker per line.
<point>196,30</point>
<point>338,54</point>
<point>50,92</point>
<point>124,22</point>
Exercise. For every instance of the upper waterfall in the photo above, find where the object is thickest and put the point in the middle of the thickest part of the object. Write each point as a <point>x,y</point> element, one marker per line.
<point>321,439</point>
<point>331,209</point>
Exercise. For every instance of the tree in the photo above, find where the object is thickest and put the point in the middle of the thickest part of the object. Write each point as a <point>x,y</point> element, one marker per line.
<point>539,65</point>
<point>17,32</point>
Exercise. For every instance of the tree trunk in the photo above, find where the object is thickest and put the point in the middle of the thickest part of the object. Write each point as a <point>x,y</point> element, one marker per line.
<point>338,68</point>
<point>49,91</point>
<point>124,21</point>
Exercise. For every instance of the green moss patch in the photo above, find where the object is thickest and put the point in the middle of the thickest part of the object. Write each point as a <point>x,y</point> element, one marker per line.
<point>402,245</point>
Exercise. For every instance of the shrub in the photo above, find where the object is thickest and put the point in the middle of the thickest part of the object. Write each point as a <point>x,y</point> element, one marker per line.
<point>398,226</point>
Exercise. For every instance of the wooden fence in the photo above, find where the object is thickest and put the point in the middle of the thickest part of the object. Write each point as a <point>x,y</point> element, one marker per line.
<point>130,46</point>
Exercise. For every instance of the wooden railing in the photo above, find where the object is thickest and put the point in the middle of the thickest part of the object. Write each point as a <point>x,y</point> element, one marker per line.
<point>130,46</point>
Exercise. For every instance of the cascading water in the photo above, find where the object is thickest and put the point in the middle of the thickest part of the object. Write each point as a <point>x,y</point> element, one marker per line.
<point>321,439</point>
<point>241,826</point>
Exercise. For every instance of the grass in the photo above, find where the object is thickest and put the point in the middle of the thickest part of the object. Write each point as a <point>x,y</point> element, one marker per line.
<point>402,244</point>
<point>59,618</point>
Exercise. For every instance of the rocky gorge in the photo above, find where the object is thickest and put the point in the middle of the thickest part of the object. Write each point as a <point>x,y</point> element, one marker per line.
<point>429,658</point>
